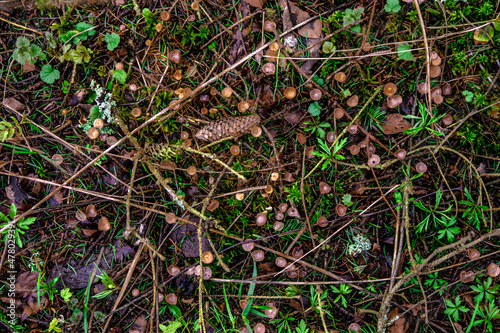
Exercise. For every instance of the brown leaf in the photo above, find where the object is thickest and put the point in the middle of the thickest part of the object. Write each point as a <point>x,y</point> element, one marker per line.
<point>293,117</point>
<point>312,29</point>
<point>401,325</point>
<point>78,97</point>
<point>458,327</point>
<point>395,123</point>
<point>139,326</point>
<point>256,3</point>
<point>13,104</point>
<point>27,67</point>
<point>89,232</point>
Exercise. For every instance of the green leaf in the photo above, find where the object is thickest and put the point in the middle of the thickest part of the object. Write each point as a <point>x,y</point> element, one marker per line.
<point>496,24</point>
<point>120,76</point>
<point>318,80</point>
<point>346,200</point>
<point>328,47</point>
<point>484,35</point>
<point>404,52</point>
<point>351,16</point>
<point>172,327</point>
<point>392,6</point>
<point>49,75</point>
<point>80,55</point>
<point>66,294</point>
<point>51,41</point>
<point>112,40</point>
<point>21,55</point>
<point>22,42</point>
<point>314,109</point>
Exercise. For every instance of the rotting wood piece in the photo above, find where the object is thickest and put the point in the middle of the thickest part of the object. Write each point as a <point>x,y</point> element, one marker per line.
<point>231,126</point>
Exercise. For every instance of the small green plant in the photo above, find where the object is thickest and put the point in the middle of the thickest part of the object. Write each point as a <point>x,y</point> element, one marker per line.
<point>66,294</point>
<point>473,211</point>
<point>54,326</point>
<point>7,130</point>
<point>328,47</point>
<point>294,193</point>
<point>112,40</point>
<point>317,128</point>
<point>302,328</point>
<point>490,312</point>
<point>453,309</point>
<point>448,230</point>
<point>48,287</point>
<point>424,122</point>
<point>437,216</point>
<point>314,109</point>
<point>435,282</point>
<point>22,224</point>
<point>485,290</point>
<point>330,155</point>
<point>392,6</point>
<point>25,51</point>
<point>404,52</point>
<point>343,290</point>
<point>469,96</point>
<point>360,244</point>
<point>374,117</point>
<point>150,19</point>
<point>81,32</point>
<point>346,200</point>
<point>171,327</point>
<point>110,285</point>
<point>49,75</point>
<point>352,16</point>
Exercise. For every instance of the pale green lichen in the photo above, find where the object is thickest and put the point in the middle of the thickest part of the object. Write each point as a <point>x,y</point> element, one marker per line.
<point>361,243</point>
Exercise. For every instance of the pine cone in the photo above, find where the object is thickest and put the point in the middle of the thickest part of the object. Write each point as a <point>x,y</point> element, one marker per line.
<point>232,126</point>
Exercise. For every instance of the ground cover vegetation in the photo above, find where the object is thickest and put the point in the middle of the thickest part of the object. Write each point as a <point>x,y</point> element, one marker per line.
<point>250,165</point>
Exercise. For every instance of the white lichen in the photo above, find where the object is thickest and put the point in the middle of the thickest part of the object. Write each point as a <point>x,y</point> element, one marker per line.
<point>104,102</point>
<point>361,243</point>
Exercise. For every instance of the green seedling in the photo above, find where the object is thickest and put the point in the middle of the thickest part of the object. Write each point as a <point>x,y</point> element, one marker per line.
<point>342,291</point>
<point>8,130</point>
<point>49,75</point>
<point>404,52</point>
<point>112,41</point>
<point>448,230</point>
<point>392,6</point>
<point>487,315</point>
<point>19,227</point>
<point>473,211</point>
<point>485,290</point>
<point>352,16</point>
<point>314,109</point>
<point>437,216</point>
<point>424,122</point>
<point>318,129</point>
<point>25,51</point>
<point>329,155</point>
<point>453,309</point>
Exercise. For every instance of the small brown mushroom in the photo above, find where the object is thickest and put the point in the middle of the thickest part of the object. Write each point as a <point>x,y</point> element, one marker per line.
<point>435,92</point>
<point>341,210</point>
<point>195,6</point>
<point>280,262</point>
<point>278,226</point>
<point>330,136</point>
<point>258,255</point>
<point>435,71</point>
<point>338,113</point>
<point>301,138</point>
<point>91,211</point>
<point>279,215</point>
<point>390,89</point>
<point>132,87</point>
<point>394,101</point>
<point>136,292</point>
<point>136,112</point>
<point>235,150</point>
<point>373,160</point>
<point>243,106</point>
<point>322,222</point>
<point>340,77</point>
<point>283,207</point>
<point>354,149</point>
<point>103,224</point>
<point>324,188</point>
<point>422,88</point>
<point>473,254</point>
<point>421,167</point>
<point>256,131</point>
<point>243,304</point>
<point>493,270</point>
<point>261,219</point>
<point>248,246</point>
<point>297,251</point>
<point>227,92</point>
<point>259,328</point>
<point>315,94</point>
<point>292,212</point>
<point>175,56</point>
<point>269,68</point>
<point>240,196</point>
<point>290,93</point>
<point>366,47</point>
<point>57,159</point>
<point>207,257</point>
<point>165,15</point>
<point>447,120</point>
<point>170,218</point>
<point>177,75</point>
<point>400,154</point>
<point>93,133</point>
<point>353,129</point>
<point>438,99</point>
<point>213,205</point>
<point>173,270</point>
<point>353,101</point>
<point>207,273</point>
<point>272,312</point>
<point>446,89</point>
<point>269,26</point>
<point>191,170</point>
<point>171,299</point>
<point>275,176</point>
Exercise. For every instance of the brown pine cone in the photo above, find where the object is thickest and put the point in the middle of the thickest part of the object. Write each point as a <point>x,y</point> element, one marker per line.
<point>232,126</point>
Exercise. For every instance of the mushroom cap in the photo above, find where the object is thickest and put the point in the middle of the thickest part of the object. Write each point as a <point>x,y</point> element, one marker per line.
<point>493,270</point>
<point>422,88</point>
<point>324,188</point>
<point>400,154</point>
<point>353,129</point>
<point>390,89</point>
<point>366,47</point>
<point>279,215</point>
<point>330,136</point>
<point>340,77</point>
<point>353,101</point>
<point>136,112</point>
<point>272,312</point>
<point>436,91</point>
<point>261,219</point>
<point>57,159</point>
<point>207,257</point>
<point>213,205</point>
<point>447,120</point>
<point>256,131</point>
<point>227,92</point>
<point>191,170</point>
<point>258,255</point>
<point>373,160</point>
<point>207,273</point>
<point>171,299</point>
<point>275,176</point>
<point>322,221</point>
<point>280,262</point>
<point>136,292</point>
<point>338,113</point>
<point>446,89</point>
<point>173,270</point>
<point>175,56</point>
<point>292,212</point>
<point>354,149</point>
<point>248,246</point>
<point>278,226</point>
<point>438,99</point>
<point>269,26</point>
<point>421,167</point>
<point>341,210</point>
<point>259,328</point>
<point>283,207</point>
<point>93,133</point>
<point>269,68</point>
<point>435,71</point>
<point>103,224</point>
<point>240,196</point>
<point>315,94</point>
<point>297,251</point>
<point>290,92</point>
<point>177,75</point>
<point>184,135</point>
<point>243,106</point>
<point>235,150</point>
<point>394,101</point>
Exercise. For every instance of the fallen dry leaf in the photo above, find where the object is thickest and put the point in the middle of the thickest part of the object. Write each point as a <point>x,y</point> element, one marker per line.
<point>27,67</point>
<point>401,325</point>
<point>395,123</point>
<point>256,3</point>
<point>13,104</point>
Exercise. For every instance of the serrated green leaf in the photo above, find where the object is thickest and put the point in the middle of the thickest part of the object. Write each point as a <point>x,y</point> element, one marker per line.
<point>112,40</point>
<point>328,47</point>
<point>172,327</point>
<point>404,52</point>
<point>120,76</point>
<point>49,75</point>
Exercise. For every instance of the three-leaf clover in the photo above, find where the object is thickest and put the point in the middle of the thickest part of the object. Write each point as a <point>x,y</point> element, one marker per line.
<point>469,96</point>
<point>392,6</point>
<point>453,309</point>
<point>49,75</point>
<point>112,40</point>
